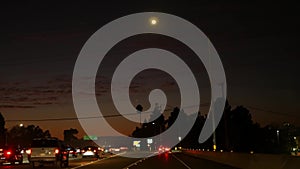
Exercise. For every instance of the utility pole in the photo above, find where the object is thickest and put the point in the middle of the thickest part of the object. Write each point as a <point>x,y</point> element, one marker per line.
<point>139,109</point>
<point>212,112</point>
<point>6,135</point>
<point>214,134</point>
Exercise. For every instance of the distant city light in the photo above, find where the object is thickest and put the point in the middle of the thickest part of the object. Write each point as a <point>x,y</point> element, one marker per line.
<point>21,125</point>
<point>214,147</point>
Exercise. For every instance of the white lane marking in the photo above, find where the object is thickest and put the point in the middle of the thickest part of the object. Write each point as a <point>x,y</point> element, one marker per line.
<point>135,163</point>
<point>182,162</point>
<point>92,162</point>
<point>132,164</point>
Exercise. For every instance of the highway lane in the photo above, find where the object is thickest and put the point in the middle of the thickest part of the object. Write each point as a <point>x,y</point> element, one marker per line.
<point>178,161</point>
<point>73,163</point>
<point>166,161</point>
<point>111,162</point>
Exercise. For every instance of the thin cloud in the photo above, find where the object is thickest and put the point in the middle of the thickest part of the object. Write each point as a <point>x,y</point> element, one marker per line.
<point>16,106</point>
<point>25,95</point>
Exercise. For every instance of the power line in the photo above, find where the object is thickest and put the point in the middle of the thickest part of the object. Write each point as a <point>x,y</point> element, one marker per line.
<point>274,112</point>
<point>73,118</point>
<point>95,117</point>
<point>270,111</point>
<point>131,114</point>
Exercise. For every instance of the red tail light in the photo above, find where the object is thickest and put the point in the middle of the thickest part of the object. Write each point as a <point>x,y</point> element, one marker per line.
<point>8,153</point>
<point>28,151</point>
<point>56,151</point>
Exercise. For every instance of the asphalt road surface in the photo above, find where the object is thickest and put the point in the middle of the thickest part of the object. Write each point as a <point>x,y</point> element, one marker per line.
<point>165,161</point>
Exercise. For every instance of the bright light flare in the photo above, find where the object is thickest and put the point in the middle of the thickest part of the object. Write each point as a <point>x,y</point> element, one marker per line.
<point>153,21</point>
<point>28,151</point>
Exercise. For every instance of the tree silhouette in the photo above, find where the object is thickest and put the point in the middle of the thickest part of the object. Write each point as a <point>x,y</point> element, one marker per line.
<point>2,130</point>
<point>69,137</point>
<point>173,116</point>
<point>153,127</point>
<point>236,131</point>
<point>23,136</point>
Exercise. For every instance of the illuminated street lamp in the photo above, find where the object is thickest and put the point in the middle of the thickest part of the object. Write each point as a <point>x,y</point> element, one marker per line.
<point>214,147</point>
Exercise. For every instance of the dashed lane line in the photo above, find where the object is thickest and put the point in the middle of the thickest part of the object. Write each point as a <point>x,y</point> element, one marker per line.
<point>182,162</point>
<point>92,162</point>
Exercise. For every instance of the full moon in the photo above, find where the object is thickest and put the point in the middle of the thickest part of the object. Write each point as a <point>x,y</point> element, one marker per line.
<point>153,21</point>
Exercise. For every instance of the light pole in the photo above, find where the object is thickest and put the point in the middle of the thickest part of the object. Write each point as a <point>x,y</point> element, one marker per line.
<point>277,133</point>
<point>159,133</point>
<point>6,135</point>
<point>139,109</point>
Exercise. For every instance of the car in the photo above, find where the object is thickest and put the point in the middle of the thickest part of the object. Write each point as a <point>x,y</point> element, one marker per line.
<point>48,150</point>
<point>106,150</point>
<point>90,151</point>
<point>72,152</point>
<point>10,154</point>
<point>163,149</point>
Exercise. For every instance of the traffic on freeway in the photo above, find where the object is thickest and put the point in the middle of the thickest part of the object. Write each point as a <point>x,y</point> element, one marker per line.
<point>165,160</point>
<point>136,84</point>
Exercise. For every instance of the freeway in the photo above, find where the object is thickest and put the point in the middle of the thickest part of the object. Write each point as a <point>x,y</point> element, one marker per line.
<point>166,160</point>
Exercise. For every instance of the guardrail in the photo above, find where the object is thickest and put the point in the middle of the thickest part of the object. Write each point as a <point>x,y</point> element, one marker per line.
<point>249,160</point>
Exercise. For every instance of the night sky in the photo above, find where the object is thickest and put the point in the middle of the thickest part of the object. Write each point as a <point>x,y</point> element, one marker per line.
<point>257,42</point>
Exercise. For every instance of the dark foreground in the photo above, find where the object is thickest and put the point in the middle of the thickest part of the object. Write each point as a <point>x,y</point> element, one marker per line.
<point>173,160</point>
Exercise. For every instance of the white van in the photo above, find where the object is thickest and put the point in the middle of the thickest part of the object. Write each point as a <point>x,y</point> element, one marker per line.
<point>48,150</point>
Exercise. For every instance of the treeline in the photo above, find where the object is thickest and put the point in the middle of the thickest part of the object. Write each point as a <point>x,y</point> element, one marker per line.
<point>235,132</point>
<point>20,135</point>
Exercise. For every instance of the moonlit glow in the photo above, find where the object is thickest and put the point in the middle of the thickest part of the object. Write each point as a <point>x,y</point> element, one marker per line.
<point>153,21</point>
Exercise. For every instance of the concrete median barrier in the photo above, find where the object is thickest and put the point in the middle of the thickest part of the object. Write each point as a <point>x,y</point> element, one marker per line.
<point>248,160</point>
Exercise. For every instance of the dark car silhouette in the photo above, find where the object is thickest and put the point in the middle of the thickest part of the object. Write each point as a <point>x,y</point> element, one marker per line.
<point>10,154</point>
